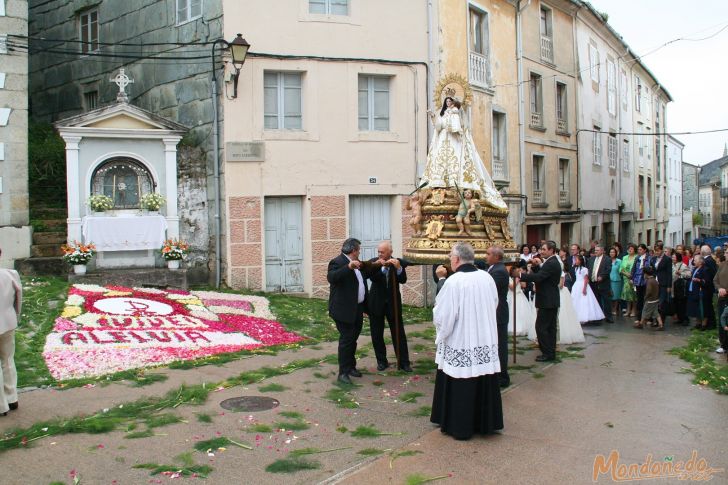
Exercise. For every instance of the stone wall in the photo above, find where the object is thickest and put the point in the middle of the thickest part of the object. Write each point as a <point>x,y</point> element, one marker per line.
<point>178,90</point>
<point>192,209</point>
<point>246,259</point>
<point>328,232</point>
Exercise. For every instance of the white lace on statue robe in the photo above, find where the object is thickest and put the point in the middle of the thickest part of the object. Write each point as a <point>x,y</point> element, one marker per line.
<point>464,317</point>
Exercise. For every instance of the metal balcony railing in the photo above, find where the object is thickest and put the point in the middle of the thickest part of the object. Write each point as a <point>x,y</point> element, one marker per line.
<point>547,49</point>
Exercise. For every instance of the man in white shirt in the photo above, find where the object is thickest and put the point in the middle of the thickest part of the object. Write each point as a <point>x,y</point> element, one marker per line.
<point>11,297</point>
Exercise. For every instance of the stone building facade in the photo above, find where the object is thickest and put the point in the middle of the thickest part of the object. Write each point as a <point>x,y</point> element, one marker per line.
<point>15,233</point>
<point>88,41</point>
<point>690,175</point>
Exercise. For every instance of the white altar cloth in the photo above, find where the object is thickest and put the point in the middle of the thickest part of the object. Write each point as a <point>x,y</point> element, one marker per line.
<point>124,232</point>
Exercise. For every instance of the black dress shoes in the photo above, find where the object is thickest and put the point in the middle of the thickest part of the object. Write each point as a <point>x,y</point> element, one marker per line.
<point>544,358</point>
<point>354,372</point>
<point>344,379</point>
<point>13,405</point>
<point>406,367</point>
<point>382,366</point>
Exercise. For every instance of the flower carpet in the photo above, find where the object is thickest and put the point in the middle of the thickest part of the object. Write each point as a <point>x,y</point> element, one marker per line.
<point>106,329</point>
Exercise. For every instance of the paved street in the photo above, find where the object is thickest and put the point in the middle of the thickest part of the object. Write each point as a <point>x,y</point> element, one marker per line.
<point>625,394</point>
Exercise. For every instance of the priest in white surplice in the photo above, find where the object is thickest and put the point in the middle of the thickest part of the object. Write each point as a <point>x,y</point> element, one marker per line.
<point>467,396</point>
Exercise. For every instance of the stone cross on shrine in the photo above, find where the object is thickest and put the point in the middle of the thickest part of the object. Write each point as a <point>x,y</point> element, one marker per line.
<point>122,80</point>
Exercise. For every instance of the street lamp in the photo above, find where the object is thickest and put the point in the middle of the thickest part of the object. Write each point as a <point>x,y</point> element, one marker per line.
<point>238,50</point>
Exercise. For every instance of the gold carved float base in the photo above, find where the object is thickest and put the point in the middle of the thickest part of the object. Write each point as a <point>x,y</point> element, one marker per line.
<point>439,231</point>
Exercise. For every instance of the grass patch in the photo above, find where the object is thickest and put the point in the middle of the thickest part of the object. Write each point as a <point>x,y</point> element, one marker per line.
<point>201,471</point>
<point>421,411</point>
<point>370,432</point>
<point>398,454</point>
<point>520,367</point>
<point>162,420</point>
<point>320,375</point>
<point>315,451</point>
<point>291,414</point>
<point>260,428</point>
<point>424,366</point>
<point>220,442</point>
<point>427,334</point>
<point>370,452</point>
<point>568,354</point>
<point>419,479</point>
<point>296,425</point>
<point>292,465</point>
<point>410,397</point>
<point>185,458</point>
<point>574,348</point>
<point>538,375</point>
<point>341,396</point>
<point>139,434</point>
<point>342,429</point>
<point>36,321</point>
<point>273,387</point>
<point>203,417</point>
<point>706,370</point>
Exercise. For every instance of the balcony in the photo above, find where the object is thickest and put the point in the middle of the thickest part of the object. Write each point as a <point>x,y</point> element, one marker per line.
<point>562,126</point>
<point>536,120</point>
<point>478,69</point>
<point>564,199</point>
<point>500,170</point>
<point>539,198</point>
<point>547,49</point>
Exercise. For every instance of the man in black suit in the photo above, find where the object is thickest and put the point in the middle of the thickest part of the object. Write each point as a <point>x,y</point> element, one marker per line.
<point>547,276</point>
<point>662,263</point>
<point>499,273</point>
<point>385,299</point>
<point>571,261</point>
<point>599,268</point>
<point>347,304</point>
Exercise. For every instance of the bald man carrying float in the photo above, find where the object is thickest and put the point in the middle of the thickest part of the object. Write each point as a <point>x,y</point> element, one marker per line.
<point>385,300</point>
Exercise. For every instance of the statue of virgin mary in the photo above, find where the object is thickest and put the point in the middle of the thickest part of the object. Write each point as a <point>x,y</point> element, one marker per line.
<point>453,160</point>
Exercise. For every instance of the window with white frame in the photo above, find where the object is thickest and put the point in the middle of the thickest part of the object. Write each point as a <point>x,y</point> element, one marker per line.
<point>478,31</point>
<point>282,100</point>
<point>611,88</point>
<point>373,103</point>
<point>647,140</point>
<point>625,156</point>
<point>597,146</point>
<point>537,182</point>
<point>612,150</point>
<point>563,176</point>
<point>641,143</point>
<point>562,124</point>
<point>594,63</point>
<point>88,23</point>
<point>547,35</point>
<point>646,102</point>
<point>188,10</point>
<point>536,100</point>
<point>637,94</point>
<point>546,28</point>
<point>90,100</point>
<point>624,90</point>
<point>329,7</point>
<point>500,161</point>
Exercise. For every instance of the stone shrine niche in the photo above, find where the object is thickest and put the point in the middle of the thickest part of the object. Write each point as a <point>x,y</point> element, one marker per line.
<point>123,152</point>
<point>123,179</point>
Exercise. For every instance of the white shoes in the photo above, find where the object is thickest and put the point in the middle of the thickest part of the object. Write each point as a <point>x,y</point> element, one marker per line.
<point>720,350</point>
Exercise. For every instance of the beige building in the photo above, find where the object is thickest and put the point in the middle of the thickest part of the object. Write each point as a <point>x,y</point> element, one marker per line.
<point>333,114</point>
<point>549,95</point>
<point>15,233</point>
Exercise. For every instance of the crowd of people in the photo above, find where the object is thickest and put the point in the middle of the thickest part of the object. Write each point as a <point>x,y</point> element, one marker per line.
<point>649,285</point>
<point>555,291</point>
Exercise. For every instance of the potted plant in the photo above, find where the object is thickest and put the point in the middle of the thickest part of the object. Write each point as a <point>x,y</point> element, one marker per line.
<point>152,201</point>
<point>100,203</point>
<point>78,255</point>
<point>173,251</point>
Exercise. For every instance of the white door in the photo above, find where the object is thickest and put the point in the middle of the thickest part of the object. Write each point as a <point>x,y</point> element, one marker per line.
<point>369,222</point>
<point>283,244</point>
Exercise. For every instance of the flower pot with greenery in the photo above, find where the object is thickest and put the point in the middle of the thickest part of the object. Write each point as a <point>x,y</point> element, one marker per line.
<point>173,251</point>
<point>100,203</point>
<point>78,255</point>
<point>152,201</point>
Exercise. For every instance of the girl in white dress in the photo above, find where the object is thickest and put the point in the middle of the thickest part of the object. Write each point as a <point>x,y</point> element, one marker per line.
<point>586,305</point>
<point>570,331</point>
<point>525,318</point>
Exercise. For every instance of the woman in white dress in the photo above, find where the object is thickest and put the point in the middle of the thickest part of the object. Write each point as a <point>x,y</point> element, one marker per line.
<point>569,331</point>
<point>586,305</point>
<point>525,317</point>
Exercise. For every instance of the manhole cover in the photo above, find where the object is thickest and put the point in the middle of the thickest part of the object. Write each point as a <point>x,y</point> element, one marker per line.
<point>249,403</point>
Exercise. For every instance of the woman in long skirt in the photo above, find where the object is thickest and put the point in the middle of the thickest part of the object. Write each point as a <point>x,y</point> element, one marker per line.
<point>696,287</point>
<point>629,294</point>
<point>585,303</point>
<point>569,328</point>
<point>615,281</point>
